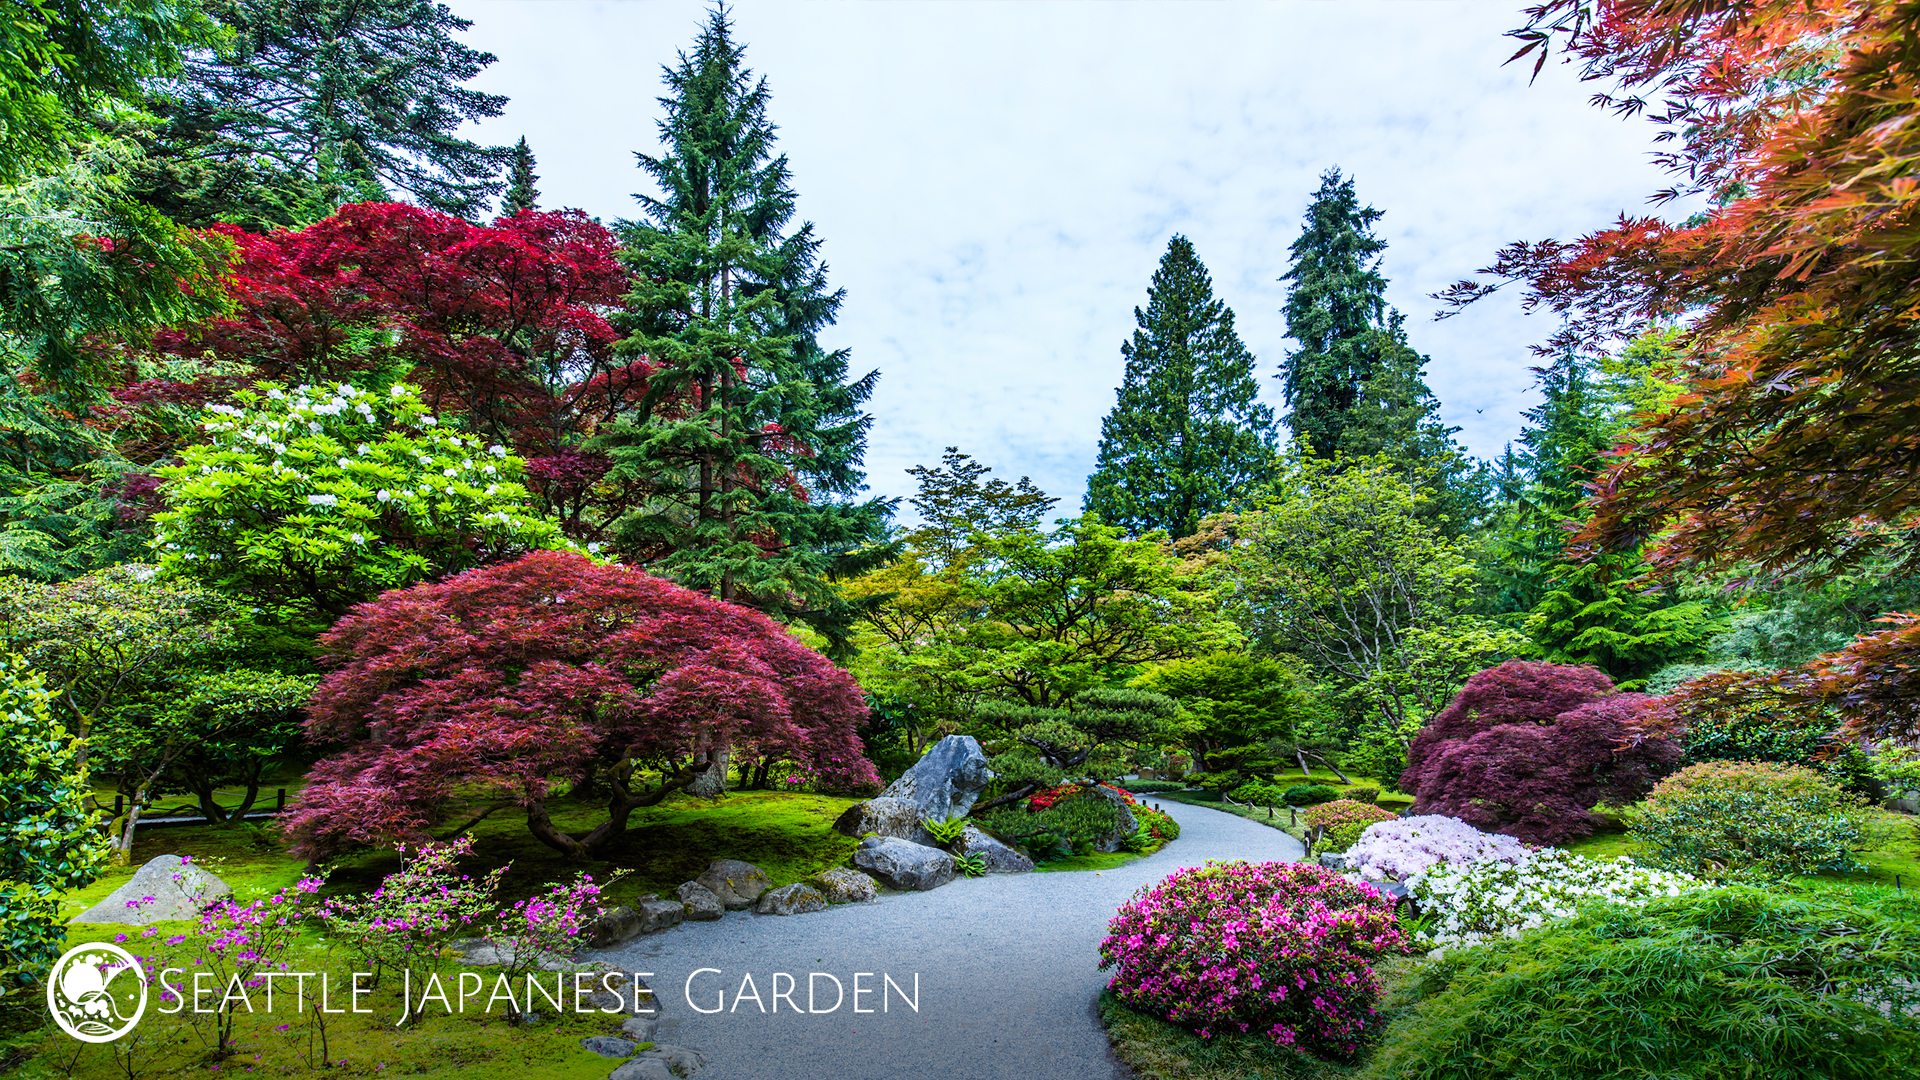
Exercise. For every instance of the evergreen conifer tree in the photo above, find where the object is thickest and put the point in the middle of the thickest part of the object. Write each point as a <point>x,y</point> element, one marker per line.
<point>1186,436</point>
<point>521,194</point>
<point>316,101</point>
<point>749,427</point>
<point>1337,310</point>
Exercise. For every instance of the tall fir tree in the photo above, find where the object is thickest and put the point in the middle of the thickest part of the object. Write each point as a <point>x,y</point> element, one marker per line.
<point>1186,436</point>
<point>521,194</point>
<point>749,429</point>
<point>1337,310</point>
<point>314,102</point>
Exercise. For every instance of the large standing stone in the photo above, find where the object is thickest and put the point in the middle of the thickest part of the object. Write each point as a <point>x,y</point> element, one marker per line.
<point>843,886</point>
<point>737,884</point>
<point>790,900</point>
<point>885,817</point>
<point>152,894</point>
<point>701,903</point>
<point>946,780</point>
<point>904,864</point>
<point>1000,858</point>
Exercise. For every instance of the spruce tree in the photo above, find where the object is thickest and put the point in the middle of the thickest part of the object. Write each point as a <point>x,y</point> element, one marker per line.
<point>749,427</point>
<point>1337,310</point>
<point>324,100</point>
<point>1186,436</point>
<point>521,194</point>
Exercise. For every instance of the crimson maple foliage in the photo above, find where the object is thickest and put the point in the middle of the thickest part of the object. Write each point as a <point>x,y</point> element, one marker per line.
<point>1794,438</point>
<point>498,682</point>
<point>1530,748</point>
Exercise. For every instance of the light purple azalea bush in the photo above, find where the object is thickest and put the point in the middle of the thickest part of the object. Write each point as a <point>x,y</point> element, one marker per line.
<point>1404,847</point>
<point>1284,948</point>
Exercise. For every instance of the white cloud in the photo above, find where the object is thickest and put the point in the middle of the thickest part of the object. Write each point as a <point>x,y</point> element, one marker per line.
<point>995,182</point>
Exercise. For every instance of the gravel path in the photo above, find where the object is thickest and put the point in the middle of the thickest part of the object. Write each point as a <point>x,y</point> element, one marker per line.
<point>1006,963</point>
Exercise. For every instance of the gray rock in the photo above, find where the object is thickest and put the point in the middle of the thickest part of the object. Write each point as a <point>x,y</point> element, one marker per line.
<point>608,1046</point>
<point>790,900</point>
<point>641,1029</point>
<point>615,926</point>
<point>1336,860</point>
<point>154,895</point>
<point>1000,858</point>
<point>903,864</point>
<point>885,817</point>
<point>736,883</point>
<point>658,915</point>
<point>700,902</point>
<point>642,1068</point>
<point>946,780</point>
<point>681,1059</point>
<point>843,886</point>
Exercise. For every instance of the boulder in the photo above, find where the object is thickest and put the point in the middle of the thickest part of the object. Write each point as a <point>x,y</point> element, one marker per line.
<point>1125,826</point>
<point>153,894</point>
<point>904,864</point>
<point>616,926</point>
<point>790,900</point>
<point>885,817</point>
<point>843,886</point>
<point>736,883</point>
<point>683,1060</point>
<point>640,1029</point>
<point>657,915</point>
<point>1336,860</point>
<point>946,780</point>
<point>1000,858</point>
<point>643,1068</point>
<point>608,1046</point>
<point>701,904</point>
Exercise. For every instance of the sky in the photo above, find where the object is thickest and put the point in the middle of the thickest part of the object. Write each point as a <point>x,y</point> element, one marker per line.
<point>995,182</point>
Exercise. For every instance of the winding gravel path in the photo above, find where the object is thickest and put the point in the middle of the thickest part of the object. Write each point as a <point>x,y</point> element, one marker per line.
<point>1006,963</point>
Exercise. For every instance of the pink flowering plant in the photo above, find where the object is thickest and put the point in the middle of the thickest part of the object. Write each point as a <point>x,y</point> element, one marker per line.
<point>405,922</point>
<point>243,944</point>
<point>1406,847</point>
<point>1284,948</point>
<point>548,926</point>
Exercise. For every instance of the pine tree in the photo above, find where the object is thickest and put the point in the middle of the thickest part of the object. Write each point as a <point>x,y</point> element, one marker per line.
<point>747,422</point>
<point>521,194</point>
<point>1397,417</point>
<point>347,97</point>
<point>1186,437</point>
<point>1337,310</point>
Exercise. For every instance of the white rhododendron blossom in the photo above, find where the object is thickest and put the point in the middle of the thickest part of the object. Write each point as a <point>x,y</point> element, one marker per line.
<point>1399,849</point>
<point>1473,901</point>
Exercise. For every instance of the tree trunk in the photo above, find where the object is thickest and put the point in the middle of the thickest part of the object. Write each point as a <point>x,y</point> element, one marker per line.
<point>712,783</point>
<point>1301,757</point>
<point>1330,765</point>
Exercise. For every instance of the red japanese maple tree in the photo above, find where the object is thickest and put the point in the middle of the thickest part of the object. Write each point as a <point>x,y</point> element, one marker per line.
<point>486,690</point>
<point>1530,748</point>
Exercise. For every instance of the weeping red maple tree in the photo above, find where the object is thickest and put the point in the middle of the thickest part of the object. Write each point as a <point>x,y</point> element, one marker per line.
<point>499,687</point>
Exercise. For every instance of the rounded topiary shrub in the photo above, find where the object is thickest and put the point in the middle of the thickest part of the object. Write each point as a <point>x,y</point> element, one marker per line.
<point>1310,794</point>
<point>1713,983</point>
<point>1259,794</point>
<point>1285,949</point>
<point>1750,819</point>
<point>1344,821</point>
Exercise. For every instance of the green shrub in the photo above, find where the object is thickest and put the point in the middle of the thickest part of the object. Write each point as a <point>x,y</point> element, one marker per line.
<point>1148,787</point>
<point>946,831</point>
<point>1259,794</point>
<point>1160,825</point>
<point>1077,823</point>
<point>1750,819</point>
<point>1344,821</point>
<point>1722,983</point>
<point>1309,794</point>
<point>1363,794</point>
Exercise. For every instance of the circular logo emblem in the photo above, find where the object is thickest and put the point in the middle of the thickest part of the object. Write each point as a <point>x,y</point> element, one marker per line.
<point>97,992</point>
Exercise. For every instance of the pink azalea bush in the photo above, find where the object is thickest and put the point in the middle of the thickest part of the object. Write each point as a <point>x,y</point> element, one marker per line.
<point>1405,847</point>
<point>404,922</point>
<point>1287,948</point>
<point>244,942</point>
<point>546,926</point>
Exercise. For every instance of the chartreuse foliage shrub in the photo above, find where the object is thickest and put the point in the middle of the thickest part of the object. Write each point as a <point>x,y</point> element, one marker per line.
<point>330,495</point>
<point>49,842</point>
<point>1750,819</point>
<point>1344,821</point>
<point>1284,949</point>
<point>1710,985</point>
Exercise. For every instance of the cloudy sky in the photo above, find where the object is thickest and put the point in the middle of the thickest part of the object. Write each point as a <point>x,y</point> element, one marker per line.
<point>995,182</point>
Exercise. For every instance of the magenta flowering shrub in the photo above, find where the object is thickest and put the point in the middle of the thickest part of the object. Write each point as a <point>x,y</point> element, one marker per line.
<point>244,942</point>
<point>1399,849</point>
<point>546,926</point>
<point>1285,948</point>
<point>404,922</point>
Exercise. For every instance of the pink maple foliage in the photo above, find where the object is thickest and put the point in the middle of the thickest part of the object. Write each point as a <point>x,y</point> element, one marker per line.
<point>491,686</point>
